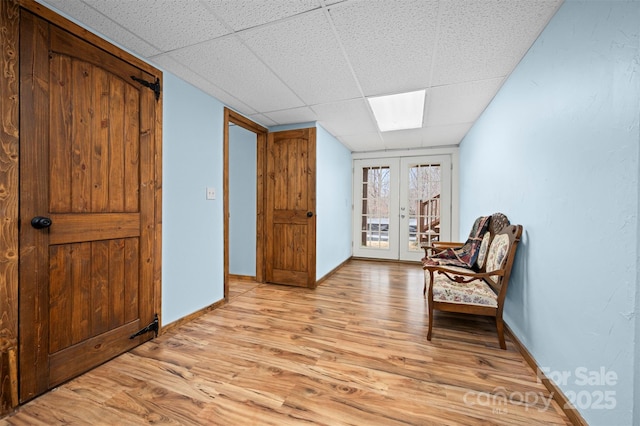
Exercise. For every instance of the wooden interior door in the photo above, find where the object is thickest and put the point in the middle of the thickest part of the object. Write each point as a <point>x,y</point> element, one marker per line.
<point>87,132</point>
<point>290,219</point>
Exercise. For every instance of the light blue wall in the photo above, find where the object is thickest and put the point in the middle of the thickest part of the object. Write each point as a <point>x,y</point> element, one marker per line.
<point>558,152</point>
<point>242,201</point>
<point>192,231</point>
<point>334,198</point>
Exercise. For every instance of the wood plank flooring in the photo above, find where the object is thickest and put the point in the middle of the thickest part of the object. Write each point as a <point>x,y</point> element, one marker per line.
<point>351,352</point>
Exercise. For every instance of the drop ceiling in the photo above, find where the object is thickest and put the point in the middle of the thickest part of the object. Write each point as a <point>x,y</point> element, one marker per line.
<point>293,61</point>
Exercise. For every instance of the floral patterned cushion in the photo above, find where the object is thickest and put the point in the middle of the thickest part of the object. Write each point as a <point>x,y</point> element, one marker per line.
<point>482,253</point>
<point>497,253</point>
<point>477,292</point>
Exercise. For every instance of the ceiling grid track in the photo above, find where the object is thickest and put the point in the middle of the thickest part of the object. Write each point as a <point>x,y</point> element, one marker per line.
<point>285,62</point>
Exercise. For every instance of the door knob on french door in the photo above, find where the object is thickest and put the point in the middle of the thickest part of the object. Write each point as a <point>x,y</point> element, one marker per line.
<point>309,214</point>
<point>41,222</point>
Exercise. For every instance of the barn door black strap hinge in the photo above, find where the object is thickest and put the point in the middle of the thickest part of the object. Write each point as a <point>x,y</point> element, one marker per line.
<point>153,86</point>
<point>151,327</point>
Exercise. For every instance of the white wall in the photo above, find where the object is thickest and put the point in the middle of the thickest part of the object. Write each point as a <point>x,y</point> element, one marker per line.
<point>333,201</point>
<point>558,152</point>
<point>242,201</point>
<point>192,230</point>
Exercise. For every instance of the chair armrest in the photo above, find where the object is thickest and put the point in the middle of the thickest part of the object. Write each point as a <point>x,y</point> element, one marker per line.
<point>442,245</point>
<point>460,276</point>
<point>438,246</point>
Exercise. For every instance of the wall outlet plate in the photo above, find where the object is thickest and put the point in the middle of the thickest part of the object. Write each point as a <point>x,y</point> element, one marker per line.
<point>211,193</point>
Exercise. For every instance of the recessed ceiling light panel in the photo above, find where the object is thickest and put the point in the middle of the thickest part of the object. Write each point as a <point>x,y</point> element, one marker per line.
<point>400,111</point>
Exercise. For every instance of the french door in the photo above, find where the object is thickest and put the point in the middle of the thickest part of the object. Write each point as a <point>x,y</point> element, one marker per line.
<point>401,203</point>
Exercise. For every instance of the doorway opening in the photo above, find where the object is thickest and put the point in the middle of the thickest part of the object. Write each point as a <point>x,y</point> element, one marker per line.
<point>242,203</point>
<point>239,225</point>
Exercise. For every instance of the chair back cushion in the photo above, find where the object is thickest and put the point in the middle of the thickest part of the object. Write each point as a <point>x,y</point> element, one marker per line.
<point>482,252</point>
<point>497,254</point>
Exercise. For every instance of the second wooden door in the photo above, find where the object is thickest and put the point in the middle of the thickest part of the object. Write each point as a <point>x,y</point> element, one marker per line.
<point>290,219</point>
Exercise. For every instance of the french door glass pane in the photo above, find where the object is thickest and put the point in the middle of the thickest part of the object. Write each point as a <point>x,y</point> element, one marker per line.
<point>425,187</point>
<point>374,231</point>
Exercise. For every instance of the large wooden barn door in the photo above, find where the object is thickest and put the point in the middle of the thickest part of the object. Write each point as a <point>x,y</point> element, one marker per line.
<point>86,206</point>
<point>290,208</point>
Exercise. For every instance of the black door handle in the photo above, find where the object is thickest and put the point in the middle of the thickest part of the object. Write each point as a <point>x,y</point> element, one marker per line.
<point>41,222</point>
<point>309,214</point>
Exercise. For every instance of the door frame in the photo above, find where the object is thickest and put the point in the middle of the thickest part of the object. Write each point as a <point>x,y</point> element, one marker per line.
<point>9,180</point>
<point>261,132</point>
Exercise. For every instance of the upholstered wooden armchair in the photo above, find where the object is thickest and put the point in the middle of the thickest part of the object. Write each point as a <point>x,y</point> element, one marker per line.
<point>465,254</point>
<point>480,290</point>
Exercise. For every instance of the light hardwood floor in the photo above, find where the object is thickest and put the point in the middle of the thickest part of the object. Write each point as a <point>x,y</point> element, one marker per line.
<point>351,352</point>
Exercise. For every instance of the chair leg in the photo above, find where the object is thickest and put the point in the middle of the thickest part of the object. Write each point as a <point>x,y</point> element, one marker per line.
<point>424,288</point>
<point>430,320</point>
<point>500,327</point>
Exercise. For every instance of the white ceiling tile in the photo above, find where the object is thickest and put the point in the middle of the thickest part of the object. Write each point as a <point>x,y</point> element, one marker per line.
<point>486,39</point>
<point>92,19</point>
<point>459,103</point>
<point>228,64</point>
<point>402,139</point>
<point>426,136</point>
<point>444,135</point>
<point>291,116</point>
<point>346,117</point>
<point>165,24</point>
<point>362,142</point>
<point>306,55</point>
<point>179,70</point>
<point>263,120</point>
<point>242,14</point>
<point>390,43</point>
